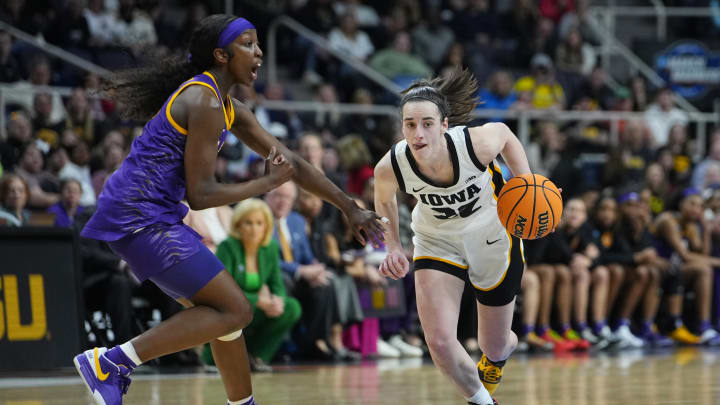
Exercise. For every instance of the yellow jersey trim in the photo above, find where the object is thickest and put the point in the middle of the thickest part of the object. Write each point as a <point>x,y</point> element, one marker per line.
<point>172,99</point>
<point>228,118</point>
<point>439,259</point>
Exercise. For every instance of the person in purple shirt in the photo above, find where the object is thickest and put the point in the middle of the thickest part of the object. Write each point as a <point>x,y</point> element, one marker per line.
<point>140,213</point>
<point>69,206</point>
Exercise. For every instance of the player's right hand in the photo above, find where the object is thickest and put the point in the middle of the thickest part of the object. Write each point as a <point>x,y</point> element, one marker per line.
<point>278,168</point>
<point>395,265</point>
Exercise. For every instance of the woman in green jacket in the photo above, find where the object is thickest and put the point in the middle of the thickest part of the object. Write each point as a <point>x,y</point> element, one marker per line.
<point>253,259</point>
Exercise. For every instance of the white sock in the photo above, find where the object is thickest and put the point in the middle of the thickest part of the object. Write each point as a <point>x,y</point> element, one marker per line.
<point>240,402</point>
<point>481,397</point>
<point>129,351</point>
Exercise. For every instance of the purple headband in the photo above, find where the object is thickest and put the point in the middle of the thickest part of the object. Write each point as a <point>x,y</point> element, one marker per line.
<point>690,191</point>
<point>233,30</point>
<point>631,196</point>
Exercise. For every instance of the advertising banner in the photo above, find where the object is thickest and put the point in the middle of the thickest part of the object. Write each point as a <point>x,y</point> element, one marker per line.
<point>40,299</point>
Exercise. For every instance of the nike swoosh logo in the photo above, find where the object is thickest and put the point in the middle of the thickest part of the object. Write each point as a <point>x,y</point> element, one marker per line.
<point>490,243</point>
<point>98,370</point>
<point>415,191</point>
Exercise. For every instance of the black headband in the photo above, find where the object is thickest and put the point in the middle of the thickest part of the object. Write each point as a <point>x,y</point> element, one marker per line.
<point>439,103</point>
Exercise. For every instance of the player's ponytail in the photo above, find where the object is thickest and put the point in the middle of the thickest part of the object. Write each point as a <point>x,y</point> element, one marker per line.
<point>142,91</point>
<point>454,95</point>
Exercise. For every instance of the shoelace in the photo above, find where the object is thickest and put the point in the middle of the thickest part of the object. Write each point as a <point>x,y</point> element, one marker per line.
<point>124,383</point>
<point>491,375</point>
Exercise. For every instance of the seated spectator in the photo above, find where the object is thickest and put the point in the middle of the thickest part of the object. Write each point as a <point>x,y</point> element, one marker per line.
<point>78,168</point>
<point>19,133</point>
<point>600,94</point>
<point>662,115</point>
<point>213,224</point>
<point>586,266</point>
<point>79,117</point>
<point>135,29</point>
<point>252,257</point>
<point>605,222</point>
<point>311,149</point>
<point>355,157</point>
<point>102,25</point>
<point>362,263</point>
<point>365,15</point>
<point>631,156</point>
<point>657,184</point>
<point>633,248</point>
<point>454,57</point>
<point>398,63</point>
<point>10,70</point>
<point>44,128</point>
<point>698,175</point>
<point>545,91</point>
<point>31,170</point>
<point>573,55</point>
<point>544,151</point>
<point>69,205</point>
<point>682,238</point>
<point>113,157</point>
<point>639,96</point>
<point>348,39</point>
<point>321,232</point>
<point>432,39</point>
<point>682,150</point>
<point>14,194</point>
<point>374,129</point>
<point>499,94</point>
<point>40,75</point>
<point>281,124</point>
<point>308,279</point>
<point>328,121</point>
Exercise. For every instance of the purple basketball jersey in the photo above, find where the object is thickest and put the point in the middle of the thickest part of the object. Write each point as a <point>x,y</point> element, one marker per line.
<point>150,183</point>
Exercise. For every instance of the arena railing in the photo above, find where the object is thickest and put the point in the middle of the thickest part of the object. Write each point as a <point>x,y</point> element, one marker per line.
<point>523,118</point>
<point>320,41</point>
<point>53,50</point>
<point>603,20</point>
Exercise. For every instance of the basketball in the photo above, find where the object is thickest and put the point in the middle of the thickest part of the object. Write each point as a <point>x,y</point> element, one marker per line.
<point>529,206</point>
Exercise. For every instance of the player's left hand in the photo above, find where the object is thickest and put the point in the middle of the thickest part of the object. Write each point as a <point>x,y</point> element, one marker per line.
<point>362,220</point>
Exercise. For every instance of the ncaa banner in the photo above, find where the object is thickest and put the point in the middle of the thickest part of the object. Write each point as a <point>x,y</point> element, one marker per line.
<point>689,67</point>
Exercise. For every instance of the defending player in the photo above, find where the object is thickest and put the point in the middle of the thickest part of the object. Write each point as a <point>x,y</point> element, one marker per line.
<point>451,170</point>
<point>140,213</point>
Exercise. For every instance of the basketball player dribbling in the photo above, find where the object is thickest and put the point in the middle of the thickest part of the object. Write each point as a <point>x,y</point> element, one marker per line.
<point>140,211</point>
<point>451,170</point>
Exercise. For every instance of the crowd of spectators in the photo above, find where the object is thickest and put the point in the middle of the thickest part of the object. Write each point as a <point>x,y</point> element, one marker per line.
<point>640,227</point>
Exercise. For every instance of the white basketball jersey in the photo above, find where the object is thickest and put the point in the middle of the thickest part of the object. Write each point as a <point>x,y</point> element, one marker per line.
<point>467,204</point>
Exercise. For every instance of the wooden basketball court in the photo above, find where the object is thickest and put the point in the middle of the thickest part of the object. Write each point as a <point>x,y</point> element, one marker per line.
<point>682,376</point>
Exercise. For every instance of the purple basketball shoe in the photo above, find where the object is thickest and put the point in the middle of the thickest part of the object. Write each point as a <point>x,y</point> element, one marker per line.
<point>106,381</point>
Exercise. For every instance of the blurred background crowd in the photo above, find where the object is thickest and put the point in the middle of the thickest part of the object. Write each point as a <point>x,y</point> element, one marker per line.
<point>634,263</point>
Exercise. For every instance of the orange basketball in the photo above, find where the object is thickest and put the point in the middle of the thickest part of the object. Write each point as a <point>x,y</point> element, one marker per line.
<point>529,206</point>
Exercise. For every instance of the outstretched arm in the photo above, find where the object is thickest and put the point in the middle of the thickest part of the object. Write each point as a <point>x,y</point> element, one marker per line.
<point>495,139</point>
<point>395,264</point>
<point>200,112</point>
<point>249,131</point>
